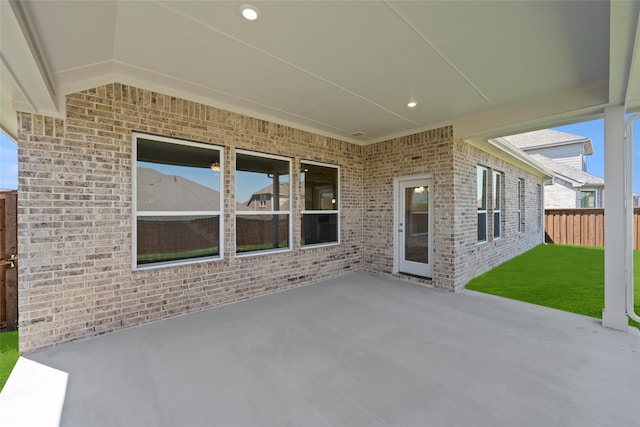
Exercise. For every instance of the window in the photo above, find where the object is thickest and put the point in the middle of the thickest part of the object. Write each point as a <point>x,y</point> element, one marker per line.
<point>263,202</point>
<point>320,215</point>
<point>520,205</point>
<point>588,199</point>
<point>482,203</point>
<point>539,202</point>
<point>497,204</point>
<point>177,201</point>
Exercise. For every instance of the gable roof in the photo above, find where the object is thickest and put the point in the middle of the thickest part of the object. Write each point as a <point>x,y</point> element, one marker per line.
<point>547,138</point>
<point>157,191</point>
<point>284,192</point>
<point>575,176</point>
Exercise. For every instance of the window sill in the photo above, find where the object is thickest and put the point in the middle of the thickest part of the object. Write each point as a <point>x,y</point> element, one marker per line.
<point>155,266</point>
<point>263,252</point>
<point>319,245</point>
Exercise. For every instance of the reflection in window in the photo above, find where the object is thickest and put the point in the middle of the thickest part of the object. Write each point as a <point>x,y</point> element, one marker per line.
<point>588,199</point>
<point>482,203</point>
<point>261,232</point>
<point>520,205</point>
<point>263,202</point>
<point>416,245</point>
<point>177,201</point>
<point>175,238</point>
<point>320,216</point>
<point>497,204</point>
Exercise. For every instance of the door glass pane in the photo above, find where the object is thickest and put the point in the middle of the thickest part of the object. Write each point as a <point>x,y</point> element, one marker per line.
<point>416,244</point>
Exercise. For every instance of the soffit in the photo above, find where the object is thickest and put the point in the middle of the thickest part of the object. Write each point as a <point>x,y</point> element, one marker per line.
<point>335,68</point>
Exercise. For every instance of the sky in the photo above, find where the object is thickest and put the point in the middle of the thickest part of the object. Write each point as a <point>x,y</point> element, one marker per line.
<point>202,176</point>
<point>247,183</point>
<point>8,163</point>
<point>592,129</point>
<point>9,173</point>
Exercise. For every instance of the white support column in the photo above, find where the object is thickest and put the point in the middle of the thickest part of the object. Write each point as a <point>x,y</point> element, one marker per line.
<point>617,200</point>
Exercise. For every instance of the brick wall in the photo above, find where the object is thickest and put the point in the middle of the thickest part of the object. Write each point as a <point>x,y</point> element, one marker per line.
<point>452,162</point>
<point>75,213</point>
<point>75,272</point>
<point>473,258</point>
<point>428,152</point>
<point>561,195</point>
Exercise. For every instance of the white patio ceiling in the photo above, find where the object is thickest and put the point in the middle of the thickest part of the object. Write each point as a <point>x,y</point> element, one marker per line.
<point>335,68</point>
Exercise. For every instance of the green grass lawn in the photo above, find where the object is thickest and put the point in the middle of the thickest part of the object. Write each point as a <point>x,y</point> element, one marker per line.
<point>569,278</point>
<point>8,354</point>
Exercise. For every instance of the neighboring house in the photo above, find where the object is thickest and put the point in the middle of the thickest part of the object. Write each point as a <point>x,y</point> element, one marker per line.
<point>263,198</point>
<point>158,191</point>
<point>571,188</point>
<point>566,156</point>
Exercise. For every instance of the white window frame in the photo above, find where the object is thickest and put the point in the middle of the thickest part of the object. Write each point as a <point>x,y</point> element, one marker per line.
<point>484,211</point>
<point>521,205</point>
<point>134,203</point>
<point>497,200</point>
<point>265,212</point>
<point>328,211</point>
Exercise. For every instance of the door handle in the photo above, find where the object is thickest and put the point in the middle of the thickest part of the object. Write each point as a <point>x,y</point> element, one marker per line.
<point>11,262</point>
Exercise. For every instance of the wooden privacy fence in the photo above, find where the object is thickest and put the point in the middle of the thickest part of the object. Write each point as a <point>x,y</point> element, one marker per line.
<point>8,260</point>
<point>584,227</point>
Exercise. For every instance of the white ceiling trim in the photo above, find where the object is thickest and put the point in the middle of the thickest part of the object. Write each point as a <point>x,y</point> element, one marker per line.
<point>12,96</point>
<point>439,53</point>
<point>37,89</point>
<point>535,113</point>
<point>22,76</point>
<point>83,78</point>
<point>7,72</point>
<point>500,148</point>
<point>623,39</point>
<point>196,21</point>
<point>24,20</point>
<point>633,84</point>
<point>525,115</point>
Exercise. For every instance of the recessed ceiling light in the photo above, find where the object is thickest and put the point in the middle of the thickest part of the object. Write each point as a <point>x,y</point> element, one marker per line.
<point>412,104</point>
<point>250,12</point>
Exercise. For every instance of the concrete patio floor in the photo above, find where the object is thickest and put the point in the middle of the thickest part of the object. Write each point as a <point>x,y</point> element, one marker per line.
<point>361,350</point>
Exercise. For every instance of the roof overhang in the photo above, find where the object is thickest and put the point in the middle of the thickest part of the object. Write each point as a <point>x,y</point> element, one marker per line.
<point>31,83</point>
<point>512,155</point>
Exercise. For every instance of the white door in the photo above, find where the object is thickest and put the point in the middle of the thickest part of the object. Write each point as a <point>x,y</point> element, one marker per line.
<point>414,227</point>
